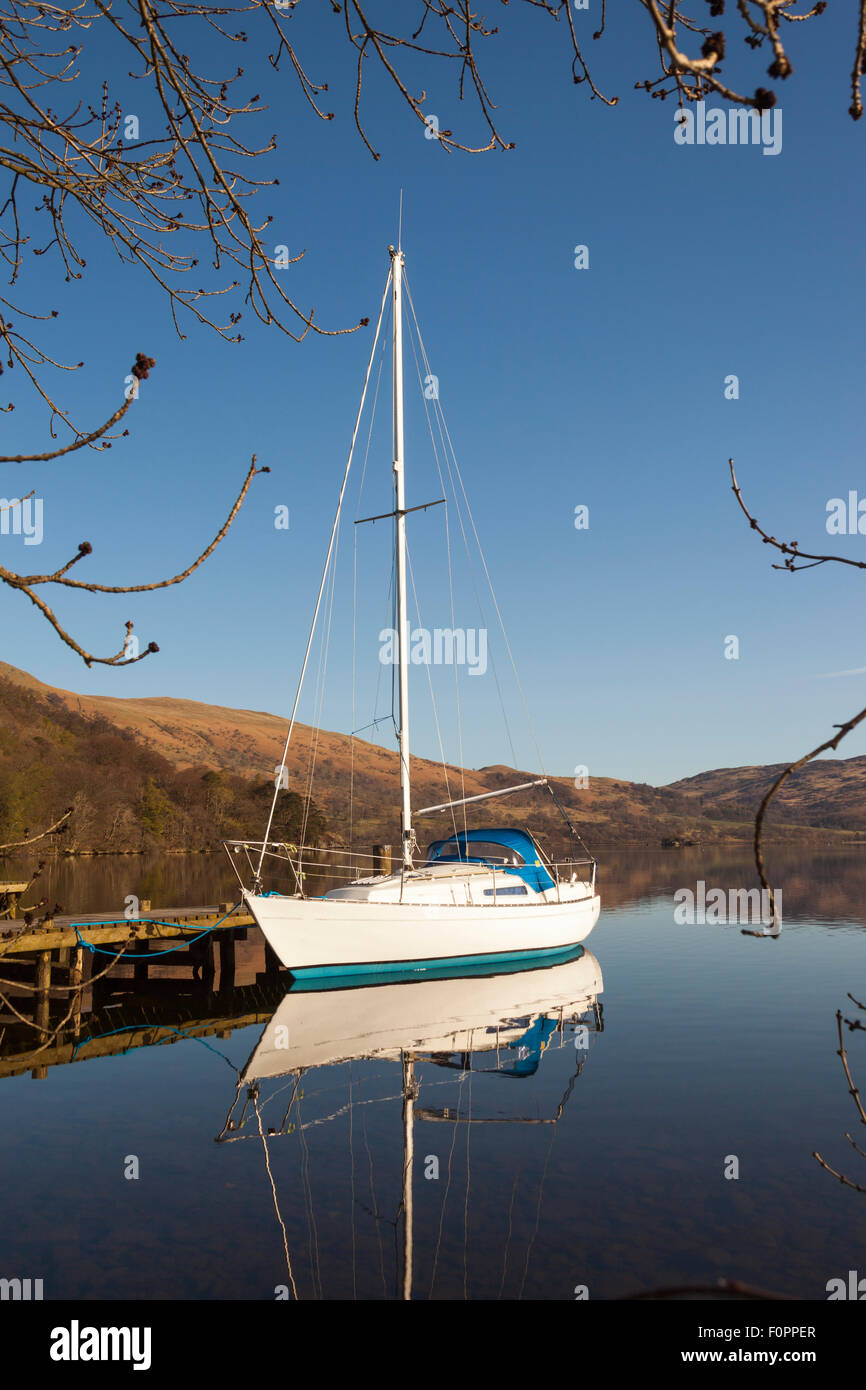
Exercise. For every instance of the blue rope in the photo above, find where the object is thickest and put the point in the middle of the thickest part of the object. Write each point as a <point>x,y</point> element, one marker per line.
<point>144,1027</point>
<point>143,955</point>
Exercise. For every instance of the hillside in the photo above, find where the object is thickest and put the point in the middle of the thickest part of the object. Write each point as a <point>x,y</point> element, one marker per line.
<point>830,792</point>
<point>175,773</point>
<point>124,795</point>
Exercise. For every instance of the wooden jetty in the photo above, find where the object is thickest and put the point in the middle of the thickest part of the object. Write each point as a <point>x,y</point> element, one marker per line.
<point>43,958</point>
<point>106,929</point>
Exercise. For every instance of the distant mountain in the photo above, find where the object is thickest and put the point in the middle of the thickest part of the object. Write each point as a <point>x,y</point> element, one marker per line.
<point>178,773</point>
<point>830,792</point>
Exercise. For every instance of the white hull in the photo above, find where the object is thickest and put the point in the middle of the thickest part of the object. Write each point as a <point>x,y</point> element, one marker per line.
<point>345,935</point>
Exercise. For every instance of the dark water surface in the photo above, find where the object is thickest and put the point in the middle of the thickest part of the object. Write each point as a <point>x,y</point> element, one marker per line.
<point>588,1148</point>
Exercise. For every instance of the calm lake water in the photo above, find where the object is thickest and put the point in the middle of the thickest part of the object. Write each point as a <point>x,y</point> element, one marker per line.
<point>568,1126</point>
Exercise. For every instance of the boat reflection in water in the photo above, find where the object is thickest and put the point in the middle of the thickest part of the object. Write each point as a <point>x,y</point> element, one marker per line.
<point>501,1025</point>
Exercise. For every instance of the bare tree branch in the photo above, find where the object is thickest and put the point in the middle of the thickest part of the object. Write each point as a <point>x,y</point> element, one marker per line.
<point>52,830</point>
<point>793,552</point>
<point>792,549</point>
<point>858,1102</point>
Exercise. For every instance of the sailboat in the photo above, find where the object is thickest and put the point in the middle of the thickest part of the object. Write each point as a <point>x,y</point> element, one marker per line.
<point>479,897</point>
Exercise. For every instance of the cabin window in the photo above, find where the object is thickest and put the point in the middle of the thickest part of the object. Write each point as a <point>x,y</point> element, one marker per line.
<point>516,892</point>
<point>475,849</point>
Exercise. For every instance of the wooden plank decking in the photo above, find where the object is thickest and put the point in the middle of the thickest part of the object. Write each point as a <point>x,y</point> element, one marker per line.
<point>107,929</point>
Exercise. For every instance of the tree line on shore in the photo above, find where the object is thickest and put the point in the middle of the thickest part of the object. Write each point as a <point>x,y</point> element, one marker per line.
<point>125,797</point>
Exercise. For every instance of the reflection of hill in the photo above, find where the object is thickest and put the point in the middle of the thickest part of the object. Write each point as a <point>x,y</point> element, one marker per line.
<point>159,738</point>
<point>817,883</point>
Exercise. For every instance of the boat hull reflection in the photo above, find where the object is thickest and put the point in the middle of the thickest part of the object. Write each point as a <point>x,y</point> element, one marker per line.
<point>321,1027</point>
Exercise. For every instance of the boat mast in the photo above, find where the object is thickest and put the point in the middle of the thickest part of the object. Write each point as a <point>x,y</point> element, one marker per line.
<point>400,510</point>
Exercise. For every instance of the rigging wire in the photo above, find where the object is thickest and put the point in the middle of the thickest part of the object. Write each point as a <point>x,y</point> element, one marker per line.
<point>355,595</point>
<point>453,458</point>
<point>459,720</point>
<point>312,1229</point>
<point>553,1133</point>
<point>274,1195</point>
<point>510,1226</point>
<point>324,575</point>
<point>466,1202</point>
<point>439,418</point>
<point>324,648</point>
<point>455,1127</point>
<point>432,696</point>
<point>352,1187</point>
<point>373,1193</point>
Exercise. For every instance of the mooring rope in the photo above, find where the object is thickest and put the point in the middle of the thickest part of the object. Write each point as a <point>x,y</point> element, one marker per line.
<point>142,922</point>
<point>151,1027</point>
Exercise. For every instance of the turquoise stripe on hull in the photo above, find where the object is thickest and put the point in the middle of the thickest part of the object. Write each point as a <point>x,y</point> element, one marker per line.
<point>321,976</point>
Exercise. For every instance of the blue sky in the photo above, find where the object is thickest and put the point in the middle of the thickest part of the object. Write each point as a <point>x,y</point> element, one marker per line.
<point>561,387</point>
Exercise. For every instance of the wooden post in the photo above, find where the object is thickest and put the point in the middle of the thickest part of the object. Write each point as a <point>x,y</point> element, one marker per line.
<point>99,962</point>
<point>76,966</point>
<point>201,955</point>
<point>43,1004</point>
<point>227,959</point>
<point>381,859</point>
<point>43,985</point>
<point>76,972</point>
<point>140,967</point>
